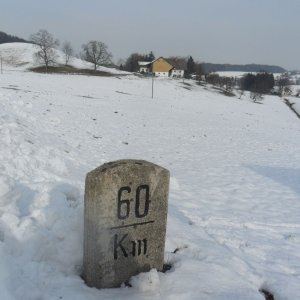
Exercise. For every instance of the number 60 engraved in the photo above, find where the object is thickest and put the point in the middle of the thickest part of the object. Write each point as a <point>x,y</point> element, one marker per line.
<point>124,204</point>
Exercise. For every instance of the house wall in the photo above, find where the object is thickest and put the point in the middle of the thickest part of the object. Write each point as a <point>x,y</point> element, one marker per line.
<point>160,66</point>
<point>144,70</point>
<point>161,74</point>
<point>177,73</point>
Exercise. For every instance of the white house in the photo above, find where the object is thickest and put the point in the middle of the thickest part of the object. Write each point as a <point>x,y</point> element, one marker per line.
<point>177,73</point>
<point>145,66</point>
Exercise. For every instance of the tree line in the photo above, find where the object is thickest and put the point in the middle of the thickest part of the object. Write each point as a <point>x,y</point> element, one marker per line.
<point>7,38</point>
<point>94,52</point>
<point>210,67</point>
<point>258,84</point>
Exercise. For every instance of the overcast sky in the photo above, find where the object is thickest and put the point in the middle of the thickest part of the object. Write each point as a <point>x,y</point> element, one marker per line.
<point>218,31</point>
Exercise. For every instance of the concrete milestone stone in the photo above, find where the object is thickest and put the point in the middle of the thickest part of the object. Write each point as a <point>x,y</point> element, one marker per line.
<point>124,221</point>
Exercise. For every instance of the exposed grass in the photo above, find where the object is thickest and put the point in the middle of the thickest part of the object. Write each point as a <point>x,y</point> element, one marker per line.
<point>202,83</point>
<point>188,84</point>
<point>267,294</point>
<point>224,92</point>
<point>70,70</point>
<point>227,93</point>
<point>290,105</point>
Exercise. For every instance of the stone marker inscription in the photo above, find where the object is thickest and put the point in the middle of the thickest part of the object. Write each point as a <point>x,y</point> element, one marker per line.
<point>124,221</point>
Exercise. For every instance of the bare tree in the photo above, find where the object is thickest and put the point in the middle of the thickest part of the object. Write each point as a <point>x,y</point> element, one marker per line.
<point>46,44</point>
<point>96,53</point>
<point>68,51</point>
<point>228,84</point>
<point>256,96</point>
<point>241,93</point>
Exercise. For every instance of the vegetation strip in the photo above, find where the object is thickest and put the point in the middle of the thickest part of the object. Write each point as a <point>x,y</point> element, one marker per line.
<point>290,105</point>
<point>71,70</point>
<point>267,294</point>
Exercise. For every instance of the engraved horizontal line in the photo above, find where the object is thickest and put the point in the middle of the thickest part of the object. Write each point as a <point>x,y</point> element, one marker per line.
<point>131,225</point>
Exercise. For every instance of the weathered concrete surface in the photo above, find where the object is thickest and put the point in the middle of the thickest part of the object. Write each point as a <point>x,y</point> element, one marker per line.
<point>124,221</point>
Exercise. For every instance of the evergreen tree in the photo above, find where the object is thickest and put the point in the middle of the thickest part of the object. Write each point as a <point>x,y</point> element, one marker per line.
<point>132,62</point>
<point>7,38</point>
<point>150,56</point>
<point>190,66</point>
<point>260,82</point>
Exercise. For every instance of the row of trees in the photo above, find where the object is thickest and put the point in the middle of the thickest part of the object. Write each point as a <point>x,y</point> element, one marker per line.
<point>94,51</point>
<point>261,83</point>
<point>225,83</point>
<point>7,38</point>
<point>257,84</point>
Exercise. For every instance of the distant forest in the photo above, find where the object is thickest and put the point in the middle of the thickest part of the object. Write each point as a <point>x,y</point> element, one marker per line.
<point>6,38</point>
<point>208,68</point>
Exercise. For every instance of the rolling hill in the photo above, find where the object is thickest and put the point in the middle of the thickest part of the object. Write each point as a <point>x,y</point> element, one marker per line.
<point>7,38</point>
<point>21,56</point>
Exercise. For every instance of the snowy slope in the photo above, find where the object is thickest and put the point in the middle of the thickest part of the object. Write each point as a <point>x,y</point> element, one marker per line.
<point>297,104</point>
<point>234,199</point>
<point>296,100</point>
<point>21,56</point>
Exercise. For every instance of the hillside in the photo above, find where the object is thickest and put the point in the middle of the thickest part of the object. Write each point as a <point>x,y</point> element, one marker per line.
<point>210,67</point>
<point>21,56</point>
<point>7,38</point>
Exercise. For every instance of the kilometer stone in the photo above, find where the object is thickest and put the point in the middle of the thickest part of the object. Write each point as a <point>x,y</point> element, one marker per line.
<point>124,221</point>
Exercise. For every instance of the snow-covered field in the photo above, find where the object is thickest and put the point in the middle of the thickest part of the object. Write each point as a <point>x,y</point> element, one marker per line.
<point>296,100</point>
<point>234,205</point>
<point>232,73</point>
<point>296,106</point>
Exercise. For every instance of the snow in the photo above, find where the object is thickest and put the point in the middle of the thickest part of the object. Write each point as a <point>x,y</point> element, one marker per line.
<point>21,56</point>
<point>233,221</point>
<point>144,63</point>
<point>296,99</point>
<point>239,74</point>
<point>297,105</point>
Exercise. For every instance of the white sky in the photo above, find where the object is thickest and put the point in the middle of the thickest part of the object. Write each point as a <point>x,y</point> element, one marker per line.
<point>218,31</point>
